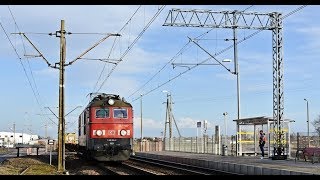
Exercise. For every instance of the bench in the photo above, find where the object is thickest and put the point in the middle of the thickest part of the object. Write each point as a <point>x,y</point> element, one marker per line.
<point>312,153</point>
<point>18,146</point>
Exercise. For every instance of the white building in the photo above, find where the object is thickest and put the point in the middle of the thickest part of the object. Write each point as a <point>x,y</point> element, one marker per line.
<point>8,139</point>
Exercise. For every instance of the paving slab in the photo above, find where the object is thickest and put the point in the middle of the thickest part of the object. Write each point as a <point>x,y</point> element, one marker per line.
<point>243,164</point>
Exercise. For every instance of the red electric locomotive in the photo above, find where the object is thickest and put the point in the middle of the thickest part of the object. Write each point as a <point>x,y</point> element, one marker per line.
<point>106,128</point>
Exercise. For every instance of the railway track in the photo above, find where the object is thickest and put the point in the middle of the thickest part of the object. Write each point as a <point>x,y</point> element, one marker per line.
<point>137,165</point>
<point>182,168</point>
<point>124,169</point>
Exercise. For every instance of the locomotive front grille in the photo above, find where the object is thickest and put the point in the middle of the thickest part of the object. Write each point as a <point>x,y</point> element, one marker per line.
<point>107,144</point>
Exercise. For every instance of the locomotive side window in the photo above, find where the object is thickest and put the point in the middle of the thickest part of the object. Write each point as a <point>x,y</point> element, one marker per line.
<point>102,113</point>
<point>120,113</point>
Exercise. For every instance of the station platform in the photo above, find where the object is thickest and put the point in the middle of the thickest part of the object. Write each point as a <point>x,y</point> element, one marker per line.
<point>247,165</point>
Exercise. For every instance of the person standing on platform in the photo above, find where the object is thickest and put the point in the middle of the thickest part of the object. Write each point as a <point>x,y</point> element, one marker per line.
<point>262,142</point>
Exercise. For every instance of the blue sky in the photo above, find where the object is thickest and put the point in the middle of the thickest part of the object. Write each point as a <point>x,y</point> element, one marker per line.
<point>203,93</point>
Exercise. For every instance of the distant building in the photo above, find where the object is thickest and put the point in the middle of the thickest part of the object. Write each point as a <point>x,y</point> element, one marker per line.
<point>8,139</point>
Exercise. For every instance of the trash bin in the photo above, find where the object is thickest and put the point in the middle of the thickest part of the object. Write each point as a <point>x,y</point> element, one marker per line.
<point>224,150</point>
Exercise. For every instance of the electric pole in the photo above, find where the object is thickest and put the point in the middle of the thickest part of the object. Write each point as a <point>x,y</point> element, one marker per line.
<point>61,147</point>
<point>61,125</point>
<point>169,118</point>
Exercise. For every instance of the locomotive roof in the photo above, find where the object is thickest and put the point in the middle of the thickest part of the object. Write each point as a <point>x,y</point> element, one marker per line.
<point>102,100</point>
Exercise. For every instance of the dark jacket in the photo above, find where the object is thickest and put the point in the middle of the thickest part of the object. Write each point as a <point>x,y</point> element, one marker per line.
<point>262,139</point>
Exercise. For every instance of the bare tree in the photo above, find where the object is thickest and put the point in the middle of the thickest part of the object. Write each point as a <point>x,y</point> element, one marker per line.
<point>316,124</point>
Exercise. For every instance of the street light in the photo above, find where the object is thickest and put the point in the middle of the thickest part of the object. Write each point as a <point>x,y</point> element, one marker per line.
<point>141,120</point>
<point>165,91</point>
<point>236,72</point>
<point>226,60</point>
<point>308,121</point>
<point>224,146</point>
<point>225,127</point>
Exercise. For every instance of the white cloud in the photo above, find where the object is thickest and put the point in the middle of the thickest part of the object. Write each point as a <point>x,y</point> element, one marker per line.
<point>311,30</point>
<point>121,85</point>
<point>49,72</point>
<point>260,87</point>
<point>147,123</point>
<point>188,122</point>
<point>225,76</point>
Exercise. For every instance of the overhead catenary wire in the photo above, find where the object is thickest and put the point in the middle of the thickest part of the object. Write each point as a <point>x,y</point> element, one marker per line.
<point>96,84</point>
<point>69,33</point>
<point>172,59</point>
<point>132,44</point>
<point>216,54</point>
<point>229,97</point>
<point>104,66</point>
<point>100,75</point>
<point>24,69</point>
<point>24,48</point>
<point>40,54</point>
<point>175,56</point>
<point>16,25</point>
<point>141,33</point>
<point>25,72</point>
<point>117,34</point>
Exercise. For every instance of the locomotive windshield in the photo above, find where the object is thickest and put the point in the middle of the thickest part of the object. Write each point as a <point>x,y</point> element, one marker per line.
<point>102,113</point>
<point>120,113</point>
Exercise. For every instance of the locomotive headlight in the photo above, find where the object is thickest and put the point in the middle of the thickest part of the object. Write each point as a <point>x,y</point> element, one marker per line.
<point>99,132</point>
<point>123,132</point>
<point>111,101</point>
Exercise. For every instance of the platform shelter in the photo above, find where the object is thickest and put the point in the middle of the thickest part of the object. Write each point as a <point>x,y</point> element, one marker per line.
<point>247,138</point>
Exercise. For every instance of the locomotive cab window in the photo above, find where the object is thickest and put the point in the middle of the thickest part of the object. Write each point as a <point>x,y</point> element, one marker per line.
<point>120,113</point>
<point>102,113</point>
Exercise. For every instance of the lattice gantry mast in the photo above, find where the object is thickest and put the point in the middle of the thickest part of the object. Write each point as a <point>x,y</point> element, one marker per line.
<point>278,100</point>
<point>245,20</point>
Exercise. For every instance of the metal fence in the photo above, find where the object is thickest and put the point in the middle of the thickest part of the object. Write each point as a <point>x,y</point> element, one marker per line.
<point>205,144</point>
<point>302,140</point>
<point>208,145</point>
<point>147,145</point>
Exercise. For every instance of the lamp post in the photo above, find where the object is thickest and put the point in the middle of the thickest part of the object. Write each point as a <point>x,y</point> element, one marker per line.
<point>308,122</point>
<point>236,72</point>
<point>141,120</point>
<point>224,145</point>
<point>225,127</point>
